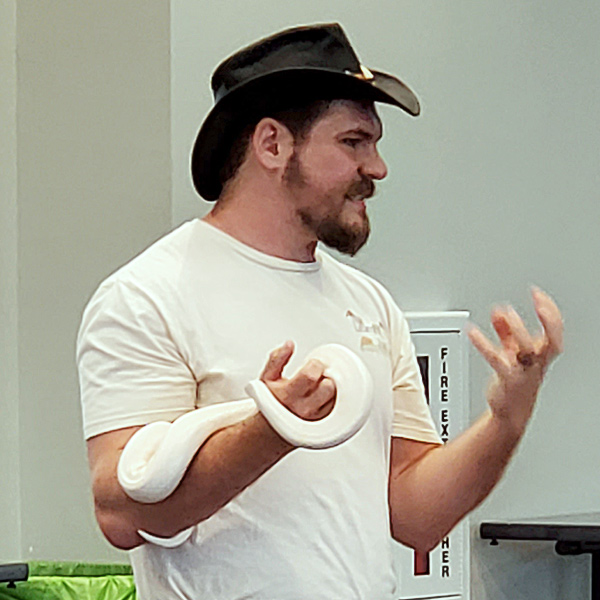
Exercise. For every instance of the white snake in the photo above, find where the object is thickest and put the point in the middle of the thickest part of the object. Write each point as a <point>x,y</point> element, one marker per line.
<point>157,456</point>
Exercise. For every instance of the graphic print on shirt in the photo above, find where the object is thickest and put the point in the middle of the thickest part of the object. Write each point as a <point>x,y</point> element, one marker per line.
<point>373,336</point>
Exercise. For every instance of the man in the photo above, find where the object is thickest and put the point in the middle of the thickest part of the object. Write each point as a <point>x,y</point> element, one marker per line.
<point>289,152</point>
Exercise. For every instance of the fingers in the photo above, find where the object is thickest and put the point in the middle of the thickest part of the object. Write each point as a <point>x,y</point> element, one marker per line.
<point>307,379</point>
<point>512,331</point>
<point>551,319</point>
<point>501,325</point>
<point>277,361</point>
<point>488,350</point>
<point>322,401</point>
<point>323,411</point>
<point>518,345</point>
<point>308,394</point>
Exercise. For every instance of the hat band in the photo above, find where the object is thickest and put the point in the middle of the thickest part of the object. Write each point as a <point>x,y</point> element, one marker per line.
<point>364,75</point>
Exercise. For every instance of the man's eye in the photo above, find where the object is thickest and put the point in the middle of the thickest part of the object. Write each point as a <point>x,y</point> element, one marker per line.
<point>352,142</point>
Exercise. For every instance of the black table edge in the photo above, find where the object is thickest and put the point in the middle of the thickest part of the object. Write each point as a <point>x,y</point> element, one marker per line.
<point>13,572</point>
<point>570,539</point>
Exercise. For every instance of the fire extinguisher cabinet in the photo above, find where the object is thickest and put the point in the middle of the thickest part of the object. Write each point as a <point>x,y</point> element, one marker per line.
<point>442,349</point>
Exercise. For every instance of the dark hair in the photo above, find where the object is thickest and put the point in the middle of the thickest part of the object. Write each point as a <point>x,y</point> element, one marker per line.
<point>299,119</point>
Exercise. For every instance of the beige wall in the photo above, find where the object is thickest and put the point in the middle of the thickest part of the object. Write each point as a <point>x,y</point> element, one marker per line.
<point>93,189</point>
<point>9,397</point>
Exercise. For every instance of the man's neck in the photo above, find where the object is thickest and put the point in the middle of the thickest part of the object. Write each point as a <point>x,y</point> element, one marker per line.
<point>267,225</point>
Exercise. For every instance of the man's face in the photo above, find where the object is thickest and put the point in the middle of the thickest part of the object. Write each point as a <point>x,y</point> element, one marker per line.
<point>331,173</point>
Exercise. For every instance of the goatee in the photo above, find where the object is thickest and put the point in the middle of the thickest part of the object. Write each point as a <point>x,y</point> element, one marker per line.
<point>345,239</point>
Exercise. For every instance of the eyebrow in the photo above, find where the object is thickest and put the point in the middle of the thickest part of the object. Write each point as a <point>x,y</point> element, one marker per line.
<point>363,133</point>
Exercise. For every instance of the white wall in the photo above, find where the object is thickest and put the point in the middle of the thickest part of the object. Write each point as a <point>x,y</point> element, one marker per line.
<point>492,189</point>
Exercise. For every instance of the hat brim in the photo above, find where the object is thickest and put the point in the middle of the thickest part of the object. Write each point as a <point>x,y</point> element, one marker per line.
<point>230,114</point>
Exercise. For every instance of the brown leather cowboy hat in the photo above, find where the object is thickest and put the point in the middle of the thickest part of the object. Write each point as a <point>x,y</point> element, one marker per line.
<point>301,64</point>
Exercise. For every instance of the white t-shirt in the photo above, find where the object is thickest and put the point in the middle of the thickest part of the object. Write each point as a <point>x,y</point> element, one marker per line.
<point>188,323</point>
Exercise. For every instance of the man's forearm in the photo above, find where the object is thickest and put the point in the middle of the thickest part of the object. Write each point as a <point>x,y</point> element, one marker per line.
<point>429,497</point>
<point>229,461</point>
<point>432,489</point>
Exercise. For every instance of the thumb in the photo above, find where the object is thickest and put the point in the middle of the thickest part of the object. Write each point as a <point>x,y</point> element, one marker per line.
<point>277,361</point>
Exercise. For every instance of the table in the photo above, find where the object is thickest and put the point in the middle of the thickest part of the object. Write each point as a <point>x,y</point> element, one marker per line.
<point>573,535</point>
<point>12,572</point>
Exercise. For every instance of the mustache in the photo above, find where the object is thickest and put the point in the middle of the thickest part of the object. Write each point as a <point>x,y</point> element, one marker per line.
<point>361,190</point>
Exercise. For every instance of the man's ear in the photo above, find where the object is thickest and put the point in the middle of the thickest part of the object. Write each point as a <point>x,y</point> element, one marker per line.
<point>272,144</point>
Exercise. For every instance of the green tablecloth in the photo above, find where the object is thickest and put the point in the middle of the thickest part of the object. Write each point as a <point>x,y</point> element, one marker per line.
<point>73,581</point>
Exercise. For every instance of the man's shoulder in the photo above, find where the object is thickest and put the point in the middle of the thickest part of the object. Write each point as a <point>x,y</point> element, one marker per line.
<point>155,269</point>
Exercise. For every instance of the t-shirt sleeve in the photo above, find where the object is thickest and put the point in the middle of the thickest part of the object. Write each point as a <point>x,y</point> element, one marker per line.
<point>412,417</point>
<point>131,368</point>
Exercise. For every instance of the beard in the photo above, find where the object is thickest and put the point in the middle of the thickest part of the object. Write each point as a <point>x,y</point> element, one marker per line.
<point>347,239</point>
<point>329,229</point>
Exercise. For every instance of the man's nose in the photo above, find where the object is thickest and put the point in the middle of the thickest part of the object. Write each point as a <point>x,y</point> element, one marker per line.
<point>375,166</point>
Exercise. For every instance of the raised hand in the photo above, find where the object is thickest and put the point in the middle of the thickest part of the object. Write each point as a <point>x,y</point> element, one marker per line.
<point>308,394</point>
<point>521,360</point>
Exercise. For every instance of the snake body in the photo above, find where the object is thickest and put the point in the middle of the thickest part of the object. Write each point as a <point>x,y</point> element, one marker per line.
<point>155,459</point>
